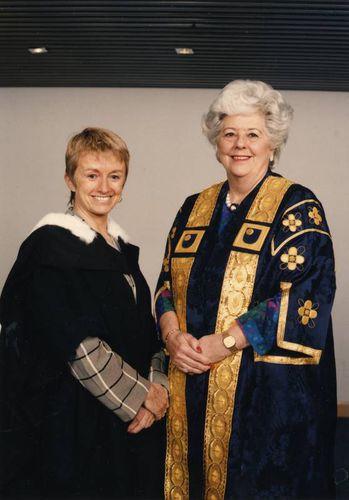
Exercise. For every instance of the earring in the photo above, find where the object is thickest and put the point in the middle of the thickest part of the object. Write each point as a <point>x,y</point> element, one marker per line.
<point>271,160</point>
<point>71,202</point>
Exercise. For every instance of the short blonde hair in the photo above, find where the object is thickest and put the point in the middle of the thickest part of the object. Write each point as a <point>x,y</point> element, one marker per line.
<point>93,139</point>
<point>249,96</point>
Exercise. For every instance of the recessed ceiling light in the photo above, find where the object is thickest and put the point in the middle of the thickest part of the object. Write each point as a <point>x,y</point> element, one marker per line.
<point>184,51</point>
<point>38,50</point>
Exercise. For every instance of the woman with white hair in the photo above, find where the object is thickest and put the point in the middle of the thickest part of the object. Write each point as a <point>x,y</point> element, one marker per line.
<point>248,272</point>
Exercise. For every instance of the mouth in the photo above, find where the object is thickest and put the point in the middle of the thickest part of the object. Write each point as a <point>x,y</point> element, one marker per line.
<point>102,198</point>
<point>240,157</point>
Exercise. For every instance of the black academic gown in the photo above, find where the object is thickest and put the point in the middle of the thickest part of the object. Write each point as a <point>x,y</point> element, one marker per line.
<point>56,438</point>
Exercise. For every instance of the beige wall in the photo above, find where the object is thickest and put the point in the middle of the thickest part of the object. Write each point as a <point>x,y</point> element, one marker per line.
<point>170,159</point>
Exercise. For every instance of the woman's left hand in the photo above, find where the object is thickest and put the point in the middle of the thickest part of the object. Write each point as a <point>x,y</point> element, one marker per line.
<point>213,348</point>
<point>143,419</point>
<point>157,400</point>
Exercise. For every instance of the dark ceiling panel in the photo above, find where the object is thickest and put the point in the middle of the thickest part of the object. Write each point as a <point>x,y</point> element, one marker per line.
<point>301,45</point>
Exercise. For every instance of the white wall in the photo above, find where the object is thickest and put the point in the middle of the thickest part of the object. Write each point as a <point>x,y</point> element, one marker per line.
<point>170,159</point>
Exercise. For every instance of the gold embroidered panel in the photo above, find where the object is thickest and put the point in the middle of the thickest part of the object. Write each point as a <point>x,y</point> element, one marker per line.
<point>204,206</point>
<point>236,294</point>
<point>221,400</point>
<point>237,288</point>
<point>235,297</point>
<point>189,241</point>
<point>251,236</point>
<point>176,467</point>
<point>268,199</point>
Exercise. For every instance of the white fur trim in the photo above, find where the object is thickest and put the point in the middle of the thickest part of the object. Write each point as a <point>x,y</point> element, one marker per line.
<point>116,231</point>
<point>78,227</point>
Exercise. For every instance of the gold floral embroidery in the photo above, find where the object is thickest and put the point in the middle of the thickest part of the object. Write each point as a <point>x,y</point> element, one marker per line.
<point>166,264</point>
<point>307,312</point>
<point>166,260</point>
<point>292,259</point>
<point>315,216</point>
<point>292,222</point>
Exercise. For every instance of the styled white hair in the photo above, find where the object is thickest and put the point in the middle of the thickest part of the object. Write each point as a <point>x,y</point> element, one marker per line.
<point>250,96</point>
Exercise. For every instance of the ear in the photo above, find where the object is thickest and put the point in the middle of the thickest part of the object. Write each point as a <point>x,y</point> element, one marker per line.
<point>272,156</point>
<point>70,184</point>
<point>217,156</point>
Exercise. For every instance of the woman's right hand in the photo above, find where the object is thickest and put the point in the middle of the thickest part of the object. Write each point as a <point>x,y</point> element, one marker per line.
<point>184,349</point>
<point>142,420</point>
<point>186,353</point>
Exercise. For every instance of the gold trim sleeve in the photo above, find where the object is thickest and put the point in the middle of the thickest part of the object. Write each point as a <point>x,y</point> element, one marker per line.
<point>312,355</point>
<point>165,286</point>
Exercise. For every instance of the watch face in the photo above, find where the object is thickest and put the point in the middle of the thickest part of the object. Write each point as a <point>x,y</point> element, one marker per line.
<point>229,341</point>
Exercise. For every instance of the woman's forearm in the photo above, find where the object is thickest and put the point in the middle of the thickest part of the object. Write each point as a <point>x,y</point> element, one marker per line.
<point>236,331</point>
<point>182,347</point>
<point>168,323</point>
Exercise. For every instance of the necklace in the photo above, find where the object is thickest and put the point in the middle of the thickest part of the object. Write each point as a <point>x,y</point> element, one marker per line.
<point>113,242</point>
<point>110,240</point>
<point>232,206</point>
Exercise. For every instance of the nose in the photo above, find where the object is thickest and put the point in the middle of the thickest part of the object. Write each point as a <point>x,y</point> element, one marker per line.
<point>103,185</point>
<point>240,141</point>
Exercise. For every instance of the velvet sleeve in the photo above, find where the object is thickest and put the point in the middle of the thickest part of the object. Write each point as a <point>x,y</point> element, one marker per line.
<point>259,324</point>
<point>163,301</point>
<point>300,263</point>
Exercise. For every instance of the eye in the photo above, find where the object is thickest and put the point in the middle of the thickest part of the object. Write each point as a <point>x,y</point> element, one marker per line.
<point>92,176</point>
<point>229,134</point>
<point>115,177</point>
<point>253,135</point>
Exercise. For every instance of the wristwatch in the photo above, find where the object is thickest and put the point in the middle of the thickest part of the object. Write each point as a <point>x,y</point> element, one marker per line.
<point>229,342</point>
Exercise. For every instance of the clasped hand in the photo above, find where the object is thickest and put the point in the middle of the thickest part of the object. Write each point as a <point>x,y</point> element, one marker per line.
<point>153,408</point>
<point>191,355</point>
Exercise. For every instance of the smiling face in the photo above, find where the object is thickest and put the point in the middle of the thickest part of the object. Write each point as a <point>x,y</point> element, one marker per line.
<point>98,182</point>
<point>243,147</point>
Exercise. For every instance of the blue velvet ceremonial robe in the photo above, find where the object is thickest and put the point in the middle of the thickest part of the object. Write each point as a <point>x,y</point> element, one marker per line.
<point>283,424</point>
